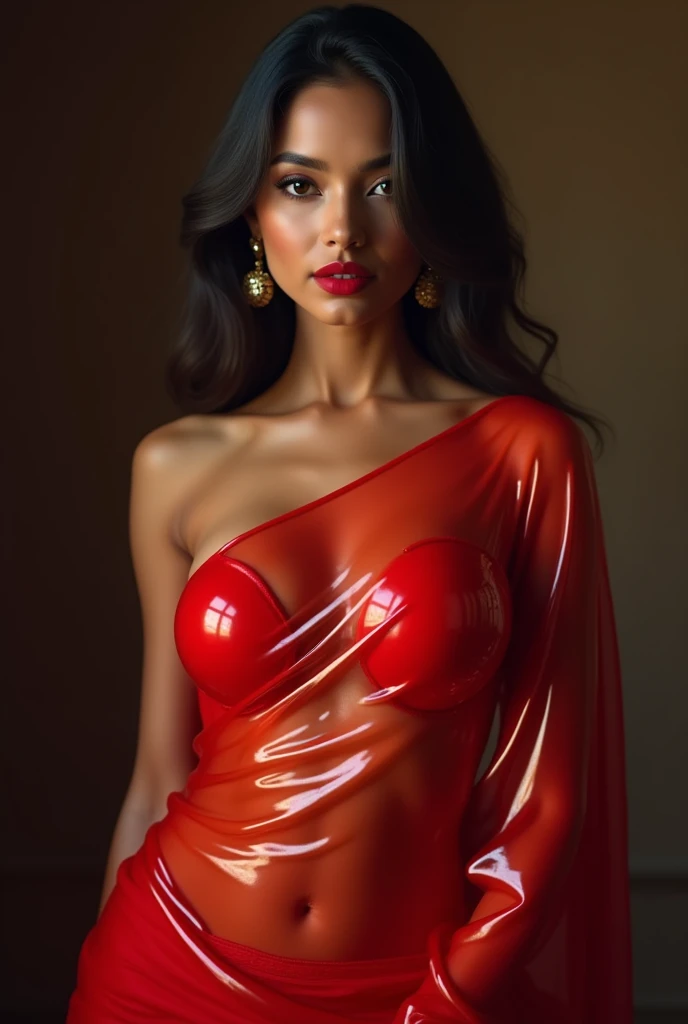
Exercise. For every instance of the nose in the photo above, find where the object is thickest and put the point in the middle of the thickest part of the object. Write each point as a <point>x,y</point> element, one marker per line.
<point>343,224</point>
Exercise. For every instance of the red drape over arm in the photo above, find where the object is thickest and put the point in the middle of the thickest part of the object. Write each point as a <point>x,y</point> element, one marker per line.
<point>545,832</point>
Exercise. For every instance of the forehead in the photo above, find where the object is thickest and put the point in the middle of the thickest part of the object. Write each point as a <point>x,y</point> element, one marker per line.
<point>336,122</point>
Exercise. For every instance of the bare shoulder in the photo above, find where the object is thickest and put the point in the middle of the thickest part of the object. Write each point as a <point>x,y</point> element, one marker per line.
<point>191,441</point>
<point>165,446</point>
<point>169,462</point>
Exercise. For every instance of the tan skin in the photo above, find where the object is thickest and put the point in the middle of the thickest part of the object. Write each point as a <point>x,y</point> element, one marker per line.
<point>354,395</point>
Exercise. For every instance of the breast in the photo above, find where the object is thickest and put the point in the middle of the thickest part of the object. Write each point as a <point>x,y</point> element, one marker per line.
<point>446,600</point>
<point>453,632</point>
<point>231,632</point>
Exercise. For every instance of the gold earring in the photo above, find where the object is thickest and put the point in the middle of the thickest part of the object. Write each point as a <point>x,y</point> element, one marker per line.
<point>258,286</point>
<point>428,289</point>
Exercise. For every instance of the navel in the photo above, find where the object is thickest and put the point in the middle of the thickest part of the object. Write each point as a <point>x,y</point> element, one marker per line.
<point>303,908</point>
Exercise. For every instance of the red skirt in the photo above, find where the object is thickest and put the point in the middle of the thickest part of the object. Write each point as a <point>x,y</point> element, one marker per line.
<point>149,958</point>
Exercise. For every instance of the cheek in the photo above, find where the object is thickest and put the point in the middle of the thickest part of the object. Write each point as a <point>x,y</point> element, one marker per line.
<point>284,236</point>
<point>402,260</point>
<point>395,246</point>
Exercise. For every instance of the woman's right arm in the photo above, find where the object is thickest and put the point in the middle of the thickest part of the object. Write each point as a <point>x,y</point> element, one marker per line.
<point>168,713</point>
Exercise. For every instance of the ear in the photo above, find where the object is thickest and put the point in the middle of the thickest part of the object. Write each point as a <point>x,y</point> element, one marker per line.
<point>252,221</point>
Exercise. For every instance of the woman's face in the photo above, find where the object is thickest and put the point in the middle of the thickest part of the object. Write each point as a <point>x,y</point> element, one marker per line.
<point>310,216</point>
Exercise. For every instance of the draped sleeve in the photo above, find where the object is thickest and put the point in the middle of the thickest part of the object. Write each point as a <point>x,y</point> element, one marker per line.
<point>544,835</point>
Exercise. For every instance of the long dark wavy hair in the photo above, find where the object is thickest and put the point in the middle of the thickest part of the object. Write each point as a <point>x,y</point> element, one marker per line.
<point>449,194</point>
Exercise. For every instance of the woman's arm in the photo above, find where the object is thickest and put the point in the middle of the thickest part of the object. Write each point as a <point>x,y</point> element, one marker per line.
<point>168,714</point>
<point>527,812</point>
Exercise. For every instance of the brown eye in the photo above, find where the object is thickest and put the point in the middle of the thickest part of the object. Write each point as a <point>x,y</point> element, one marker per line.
<point>301,186</point>
<point>296,182</point>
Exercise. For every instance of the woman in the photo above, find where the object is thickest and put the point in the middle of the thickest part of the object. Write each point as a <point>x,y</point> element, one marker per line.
<point>376,527</point>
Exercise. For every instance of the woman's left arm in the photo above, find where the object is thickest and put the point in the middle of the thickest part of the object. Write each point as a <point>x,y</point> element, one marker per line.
<point>526,812</point>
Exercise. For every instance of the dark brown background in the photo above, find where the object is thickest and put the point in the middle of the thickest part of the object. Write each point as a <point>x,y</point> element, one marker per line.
<point>110,110</point>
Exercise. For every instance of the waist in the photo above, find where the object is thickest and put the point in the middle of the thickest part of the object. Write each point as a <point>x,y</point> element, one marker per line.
<point>341,896</point>
<point>160,934</point>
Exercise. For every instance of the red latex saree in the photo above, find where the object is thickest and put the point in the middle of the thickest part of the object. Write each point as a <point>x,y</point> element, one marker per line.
<point>369,637</point>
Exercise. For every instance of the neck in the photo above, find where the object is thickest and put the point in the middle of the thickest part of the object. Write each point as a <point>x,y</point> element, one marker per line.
<point>344,365</point>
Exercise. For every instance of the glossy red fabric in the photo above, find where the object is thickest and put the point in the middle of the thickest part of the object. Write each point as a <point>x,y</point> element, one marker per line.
<point>150,959</point>
<point>369,637</point>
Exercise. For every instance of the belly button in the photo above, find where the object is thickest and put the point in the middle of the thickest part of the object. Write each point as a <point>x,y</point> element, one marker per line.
<point>303,908</point>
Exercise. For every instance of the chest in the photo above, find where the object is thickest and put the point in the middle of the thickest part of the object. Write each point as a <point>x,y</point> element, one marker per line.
<point>399,585</point>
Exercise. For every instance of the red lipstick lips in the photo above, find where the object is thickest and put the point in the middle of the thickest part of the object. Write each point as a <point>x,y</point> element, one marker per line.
<point>343,268</point>
<point>347,285</point>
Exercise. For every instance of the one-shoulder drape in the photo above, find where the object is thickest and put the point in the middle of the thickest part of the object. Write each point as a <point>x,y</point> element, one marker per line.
<point>487,532</point>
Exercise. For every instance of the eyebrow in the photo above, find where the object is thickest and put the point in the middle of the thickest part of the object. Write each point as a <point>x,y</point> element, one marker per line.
<point>320,165</point>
